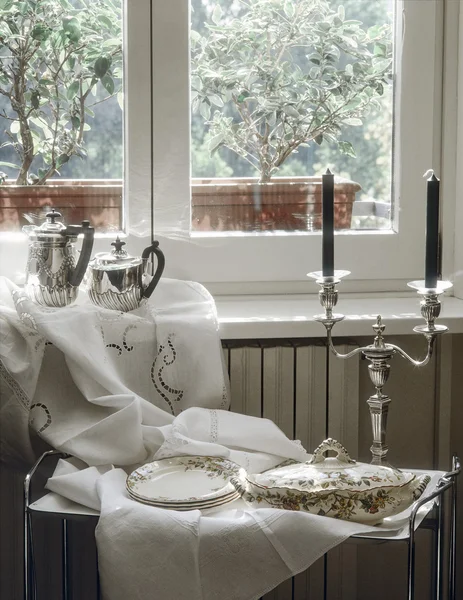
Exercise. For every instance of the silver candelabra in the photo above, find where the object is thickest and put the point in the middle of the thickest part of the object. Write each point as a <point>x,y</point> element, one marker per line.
<point>379,352</point>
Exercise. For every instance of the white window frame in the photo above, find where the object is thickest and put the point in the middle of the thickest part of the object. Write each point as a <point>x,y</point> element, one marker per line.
<point>278,263</point>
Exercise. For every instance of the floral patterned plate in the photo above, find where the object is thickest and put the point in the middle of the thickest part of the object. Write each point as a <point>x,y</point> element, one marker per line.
<point>191,505</point>
<point>185,481</point>
<point>336,487</point>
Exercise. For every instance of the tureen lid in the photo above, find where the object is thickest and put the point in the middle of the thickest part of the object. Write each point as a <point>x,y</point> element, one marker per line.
<point>321,474</point>
<point>118,258</point>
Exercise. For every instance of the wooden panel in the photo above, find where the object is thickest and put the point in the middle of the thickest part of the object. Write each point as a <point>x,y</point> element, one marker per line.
<point>278,405</point>
<point>310,393</point>
<point>443,405</point>
<point>310,428</point>
<point>246,381</point>
<point>278,387</point>
<point>343,413</point>
<point>343,426</point>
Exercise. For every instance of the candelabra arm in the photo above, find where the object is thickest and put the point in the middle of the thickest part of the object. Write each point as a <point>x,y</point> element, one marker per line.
<point>417,363</point>
<point>335,352</point>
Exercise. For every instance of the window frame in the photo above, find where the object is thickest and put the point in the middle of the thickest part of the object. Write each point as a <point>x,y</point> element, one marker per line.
<point>272,263</point>
<point>279,262</point>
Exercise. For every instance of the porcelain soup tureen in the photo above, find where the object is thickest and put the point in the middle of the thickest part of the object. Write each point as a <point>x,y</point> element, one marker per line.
<point>336,487</point>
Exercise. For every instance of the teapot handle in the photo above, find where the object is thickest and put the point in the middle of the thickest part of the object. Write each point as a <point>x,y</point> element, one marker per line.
<point>146,293</point>
<point>330,444</point>
<point>78,273</point>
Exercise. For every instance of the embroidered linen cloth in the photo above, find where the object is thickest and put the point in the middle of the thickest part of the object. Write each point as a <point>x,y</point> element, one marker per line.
<point>117,389</point>
<point>98,383</point>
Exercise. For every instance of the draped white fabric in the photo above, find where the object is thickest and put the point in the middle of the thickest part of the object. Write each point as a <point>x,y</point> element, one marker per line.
<point>115,390</point>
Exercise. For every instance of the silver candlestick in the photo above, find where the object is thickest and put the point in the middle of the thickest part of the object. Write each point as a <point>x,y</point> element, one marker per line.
<point>379,353</point>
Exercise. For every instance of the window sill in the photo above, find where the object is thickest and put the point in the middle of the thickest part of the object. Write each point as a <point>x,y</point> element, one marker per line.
<point>291,316</point>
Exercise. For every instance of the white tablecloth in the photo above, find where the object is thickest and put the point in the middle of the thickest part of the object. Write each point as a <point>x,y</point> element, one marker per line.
<point>115,390</point>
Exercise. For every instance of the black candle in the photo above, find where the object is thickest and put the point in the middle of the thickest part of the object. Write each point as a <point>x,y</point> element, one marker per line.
<point>328,224</point>
<point>432,232</point>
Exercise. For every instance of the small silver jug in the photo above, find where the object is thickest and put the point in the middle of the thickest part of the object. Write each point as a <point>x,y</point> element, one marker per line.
<point>52,275</point>
<point>119,281</point>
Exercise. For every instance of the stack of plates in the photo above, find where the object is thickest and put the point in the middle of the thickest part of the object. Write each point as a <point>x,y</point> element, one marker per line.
<point>186,482</point>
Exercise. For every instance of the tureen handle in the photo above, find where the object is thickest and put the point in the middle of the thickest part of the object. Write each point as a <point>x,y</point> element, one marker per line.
<point>330,444</point>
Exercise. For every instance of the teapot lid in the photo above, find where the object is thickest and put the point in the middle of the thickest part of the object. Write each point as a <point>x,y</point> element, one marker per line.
<point>321,474</point>
<point>49,227</point>
<point>118,258</point>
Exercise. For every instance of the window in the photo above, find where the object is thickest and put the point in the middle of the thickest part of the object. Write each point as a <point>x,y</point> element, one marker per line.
<point>279,261</point>
<point>61,111</point>
<point>105,150</point>
<point>281,91</point>
<point>271,262</point>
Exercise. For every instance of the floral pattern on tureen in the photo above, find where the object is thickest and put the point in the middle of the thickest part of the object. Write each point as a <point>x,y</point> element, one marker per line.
<point>337,487</point>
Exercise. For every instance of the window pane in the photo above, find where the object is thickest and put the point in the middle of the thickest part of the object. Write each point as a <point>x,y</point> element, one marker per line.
<point>281,91</point>
<point>61,118</point>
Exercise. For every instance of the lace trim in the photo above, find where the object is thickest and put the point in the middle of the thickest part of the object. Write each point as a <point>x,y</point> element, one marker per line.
<point>224,403</point>
<point>14,386</point>
<point>214,425</point>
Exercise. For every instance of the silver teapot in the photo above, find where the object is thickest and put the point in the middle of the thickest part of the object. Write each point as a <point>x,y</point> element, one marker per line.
<point>119,281</point>
<point>52,275</point>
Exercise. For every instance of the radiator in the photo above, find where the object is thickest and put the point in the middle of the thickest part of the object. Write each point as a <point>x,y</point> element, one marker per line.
<point>287,382</point>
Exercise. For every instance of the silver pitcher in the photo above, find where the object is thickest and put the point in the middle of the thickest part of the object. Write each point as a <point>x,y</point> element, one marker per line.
<point>52,275</point>
<point>119,281</point>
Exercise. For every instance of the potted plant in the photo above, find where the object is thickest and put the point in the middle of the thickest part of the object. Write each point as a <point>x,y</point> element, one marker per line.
<point>275,77</point>
<point>55,56</point>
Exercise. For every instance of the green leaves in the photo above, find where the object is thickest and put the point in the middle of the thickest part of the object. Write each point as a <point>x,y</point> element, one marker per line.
<point>108,84</point>
<point>35,99</point>
<point>72,90</point>
<point>215,142</point>
<point>347,148</point>
<point>76,46</point>
<point>71,28</point>
<point>101,66</point>
<point>354,122</point>
<point>40,32</point>
<point>217,14</point>
<point>289,8</point>
<point>61,160</point>
<point>262,101</point>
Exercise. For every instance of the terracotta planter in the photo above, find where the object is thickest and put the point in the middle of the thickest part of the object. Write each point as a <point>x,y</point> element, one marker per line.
<point>99,201</point>
<point>285,204</point>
